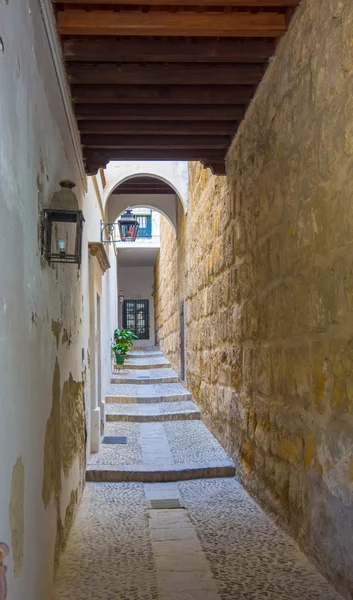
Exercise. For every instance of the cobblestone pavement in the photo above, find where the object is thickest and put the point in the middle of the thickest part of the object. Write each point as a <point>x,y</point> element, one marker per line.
<point>138,376</point>
<point>135,362</point>
<point>159,392</point>
<point>167,442</point>
<point>221,547</point>
<point>217,545</point>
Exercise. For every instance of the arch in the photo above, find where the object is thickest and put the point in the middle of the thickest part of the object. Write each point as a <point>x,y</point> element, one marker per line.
<point>173,173</point>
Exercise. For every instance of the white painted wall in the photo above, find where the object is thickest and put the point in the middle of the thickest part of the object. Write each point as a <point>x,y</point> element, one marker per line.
<point>137,283</point>
<point>36,152</point>
<point>175,173</point>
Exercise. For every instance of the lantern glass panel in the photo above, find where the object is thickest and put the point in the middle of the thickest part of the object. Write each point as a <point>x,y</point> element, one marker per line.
<point>128,232</point>
<point>63,235</point>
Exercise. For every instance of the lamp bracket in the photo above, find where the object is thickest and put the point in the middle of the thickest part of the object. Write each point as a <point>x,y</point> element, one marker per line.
<point>109,235</point>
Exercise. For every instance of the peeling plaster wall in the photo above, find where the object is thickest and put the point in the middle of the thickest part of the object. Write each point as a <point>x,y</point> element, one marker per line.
<point>44,313</point>
<point>269,285</point>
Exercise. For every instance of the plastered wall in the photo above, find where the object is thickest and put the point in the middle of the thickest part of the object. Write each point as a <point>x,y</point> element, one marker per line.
<point>267,276</point>
<point>44,313</point>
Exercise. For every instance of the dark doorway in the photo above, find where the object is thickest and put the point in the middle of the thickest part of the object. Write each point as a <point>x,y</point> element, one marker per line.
<point>136,317</point>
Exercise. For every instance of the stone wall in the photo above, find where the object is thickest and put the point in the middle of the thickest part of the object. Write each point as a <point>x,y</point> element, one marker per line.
<point>268,286</point>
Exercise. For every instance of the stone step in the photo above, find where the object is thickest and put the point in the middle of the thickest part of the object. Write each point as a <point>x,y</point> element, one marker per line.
<point>149,393</point>
<point>164,411</point>
<point>141,377</point>
<point>150,474</point>
<point>144,353</point>
<point>159,452</point>
<point>143,363</point>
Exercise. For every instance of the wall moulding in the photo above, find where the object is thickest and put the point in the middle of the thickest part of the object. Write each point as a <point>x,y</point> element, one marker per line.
<point>47,13</point>
<point>97,249</point>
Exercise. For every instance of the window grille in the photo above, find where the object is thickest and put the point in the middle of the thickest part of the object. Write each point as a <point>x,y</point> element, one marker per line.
<point>136,317</point>
<point>145,226</point>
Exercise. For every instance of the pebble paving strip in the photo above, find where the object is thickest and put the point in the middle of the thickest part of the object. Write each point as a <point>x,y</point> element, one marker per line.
<point>161,408</point>
<point>192,442</point>
<point>109,552</point>
<point>250,558</point>
<point>126,454</point>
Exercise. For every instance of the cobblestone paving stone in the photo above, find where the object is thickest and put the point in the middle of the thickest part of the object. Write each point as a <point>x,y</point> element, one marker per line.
<point>160,408</point>
<point>126,374</point>
<point>250,558</point>
<point>149,362</point>
<point>109,552</point>
<point>120,454</point>
<point>192,442</point>
<point>167,391</point>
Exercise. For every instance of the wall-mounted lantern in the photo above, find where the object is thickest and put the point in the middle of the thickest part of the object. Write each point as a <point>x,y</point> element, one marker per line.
<point>62,227</point>
<point>128,228</point>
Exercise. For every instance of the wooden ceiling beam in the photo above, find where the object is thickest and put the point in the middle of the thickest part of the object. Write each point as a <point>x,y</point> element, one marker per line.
<point>104,156</point>
<point>193,142</point>
<point>247,3</point>
<point>159,113</point>
<point>158,94</point>
<point>159,127</point>
<point>172,50</point>
<point>173,74</point>
<point>163,23</point>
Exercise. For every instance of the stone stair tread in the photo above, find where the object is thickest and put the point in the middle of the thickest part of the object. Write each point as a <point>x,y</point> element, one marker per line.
<point>145,363</point>
<point>152,393</point>
<point>142,376</point>
<point>160,473</point>
<point>160,451</point>
<point>144,353</point>
<point>152,411</point>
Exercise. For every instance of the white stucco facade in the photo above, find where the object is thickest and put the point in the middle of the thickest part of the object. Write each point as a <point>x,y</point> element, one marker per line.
<point>48,314</point>
<point>175,173</point>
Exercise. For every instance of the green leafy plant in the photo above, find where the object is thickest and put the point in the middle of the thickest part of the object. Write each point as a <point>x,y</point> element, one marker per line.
<point>123,340</point>
<point>124,336</point>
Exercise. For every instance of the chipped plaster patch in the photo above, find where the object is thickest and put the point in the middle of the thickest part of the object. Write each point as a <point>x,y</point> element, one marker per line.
<point>16,511</point>
<point>52,445</point>
<point>56,330</point>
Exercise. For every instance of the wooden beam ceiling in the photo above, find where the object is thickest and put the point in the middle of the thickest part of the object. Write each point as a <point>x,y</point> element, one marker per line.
<point>158,127</point>
<point>163,94</point>
<point>104,22</point>
<point>173,3</point>
<point>199,50</point>
<point>173,74</point>
<point>165,79</point>
<point>155,113</point>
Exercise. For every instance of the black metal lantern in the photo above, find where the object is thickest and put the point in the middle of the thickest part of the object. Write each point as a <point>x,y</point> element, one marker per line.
<point>128,226</point>
<point>63,226</point>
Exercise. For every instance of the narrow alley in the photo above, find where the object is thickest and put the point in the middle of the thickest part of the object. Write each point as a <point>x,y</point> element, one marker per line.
<point>176,299</point>
<point>196,536</point>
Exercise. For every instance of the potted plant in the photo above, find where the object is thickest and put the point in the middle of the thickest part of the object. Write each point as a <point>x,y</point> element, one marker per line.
<point>123,340</point>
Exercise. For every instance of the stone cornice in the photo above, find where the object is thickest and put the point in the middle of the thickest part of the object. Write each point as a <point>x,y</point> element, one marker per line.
<point>97,249</point>
<point>53,41</point>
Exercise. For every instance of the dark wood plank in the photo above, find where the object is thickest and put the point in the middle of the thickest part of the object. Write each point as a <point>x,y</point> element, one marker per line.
<point>247,3</point>
<point>161,50</point>
<point>140,112</point>
<point>163,23</point>
<point>104,156</point>
<point>192,142</point>
<point>159,127</point>
<point>148,94</point>
<point>164,74</point>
